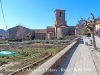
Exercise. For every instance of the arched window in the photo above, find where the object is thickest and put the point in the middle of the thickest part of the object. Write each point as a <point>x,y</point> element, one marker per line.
<point>60,14</point>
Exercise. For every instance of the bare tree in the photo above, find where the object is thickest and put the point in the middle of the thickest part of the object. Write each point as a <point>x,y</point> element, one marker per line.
<point>31,35</point>
<point>21,33</point>
<point>90,25</point>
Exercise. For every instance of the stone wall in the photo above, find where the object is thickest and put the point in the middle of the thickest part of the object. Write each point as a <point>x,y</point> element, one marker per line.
<point>59,17</point>
<point>50,36</point>
<point>62,31</point>
<point>50,29</point>
<point>40,36</point>
<point>50,32</point>
<point>45,68</point>
<point>71,30</point>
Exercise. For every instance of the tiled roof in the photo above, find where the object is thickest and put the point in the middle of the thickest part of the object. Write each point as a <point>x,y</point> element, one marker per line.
<point>40,30</point>
<point>98,22</point>
<point>50,26</point>
<point>19,27</point>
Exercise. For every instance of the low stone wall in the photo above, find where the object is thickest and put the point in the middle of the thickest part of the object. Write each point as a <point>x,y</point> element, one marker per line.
<point>52,63</point>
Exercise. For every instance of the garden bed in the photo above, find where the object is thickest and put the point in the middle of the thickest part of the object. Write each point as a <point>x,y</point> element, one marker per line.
<point>28,54</point>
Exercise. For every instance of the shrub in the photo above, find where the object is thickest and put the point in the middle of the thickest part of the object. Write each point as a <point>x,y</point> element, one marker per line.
<point>38,42</point>
<point>15,40</point>
<point>2,56</point>
<point>7,57</point>
<point>66,37</point>
<point>61,38</point>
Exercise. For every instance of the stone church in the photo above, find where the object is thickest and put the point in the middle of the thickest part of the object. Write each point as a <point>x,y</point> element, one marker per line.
<point>59,30</point>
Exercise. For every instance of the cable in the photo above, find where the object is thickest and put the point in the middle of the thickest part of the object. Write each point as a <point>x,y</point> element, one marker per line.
<point>3,14</point>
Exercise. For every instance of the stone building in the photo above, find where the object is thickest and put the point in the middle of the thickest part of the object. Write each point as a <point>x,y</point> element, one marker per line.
<point>50,32</point>
<point>71,30</point>
<point>79,29</point>
<point>97,28</point>
<point>60,29</point>
<point>40,34</point>
<point>18,32</point>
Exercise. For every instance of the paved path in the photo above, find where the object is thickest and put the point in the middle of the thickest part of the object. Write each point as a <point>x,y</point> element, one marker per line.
<point>97,39</point>
<point>77,62</point>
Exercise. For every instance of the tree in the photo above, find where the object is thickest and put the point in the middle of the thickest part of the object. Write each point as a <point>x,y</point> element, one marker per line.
<point>90,25</point>
<point>31,35</point>
<point>85,31</point>
<point>21,32</point>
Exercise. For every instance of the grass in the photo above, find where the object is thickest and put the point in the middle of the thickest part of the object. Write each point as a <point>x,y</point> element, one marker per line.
<point>29,54</point>
<point>4,42</point>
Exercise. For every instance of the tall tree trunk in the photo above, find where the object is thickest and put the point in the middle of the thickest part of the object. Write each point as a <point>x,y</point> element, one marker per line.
<point>94,43</point>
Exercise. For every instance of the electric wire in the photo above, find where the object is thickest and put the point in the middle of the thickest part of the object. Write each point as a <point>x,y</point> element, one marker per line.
<point>3,15</point>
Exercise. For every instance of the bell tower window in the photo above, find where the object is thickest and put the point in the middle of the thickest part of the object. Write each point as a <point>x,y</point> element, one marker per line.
<point>60,14</point>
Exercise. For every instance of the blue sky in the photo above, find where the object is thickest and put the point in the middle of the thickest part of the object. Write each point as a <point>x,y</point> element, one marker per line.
<point>37,14</point>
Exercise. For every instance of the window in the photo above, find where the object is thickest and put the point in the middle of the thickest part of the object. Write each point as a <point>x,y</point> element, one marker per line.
<point>60,14</point>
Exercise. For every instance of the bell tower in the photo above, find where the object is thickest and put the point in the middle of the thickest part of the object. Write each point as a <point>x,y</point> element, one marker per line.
<point>61,28</point>
<point>59,17</point>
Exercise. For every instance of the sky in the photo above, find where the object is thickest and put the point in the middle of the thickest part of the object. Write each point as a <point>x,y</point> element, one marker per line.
<point>38,14</point>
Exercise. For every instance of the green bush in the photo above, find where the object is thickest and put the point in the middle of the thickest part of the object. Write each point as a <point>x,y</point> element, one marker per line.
<point>61,38</point>
<point>38,42</point>
<point>7,57</point>
<point>66,37</point>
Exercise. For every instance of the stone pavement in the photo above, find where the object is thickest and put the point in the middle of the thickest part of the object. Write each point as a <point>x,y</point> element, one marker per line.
<point>77,62</point>
<point>97,39</point>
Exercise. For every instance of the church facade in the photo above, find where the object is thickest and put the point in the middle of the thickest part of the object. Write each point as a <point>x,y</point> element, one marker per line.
<point>60,28</point>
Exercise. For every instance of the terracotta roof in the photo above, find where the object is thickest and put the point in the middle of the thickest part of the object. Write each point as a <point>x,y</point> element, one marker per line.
<point>98,22</point>
<point>40,31</point>
<point>50,26</point>
<point>19,27</point>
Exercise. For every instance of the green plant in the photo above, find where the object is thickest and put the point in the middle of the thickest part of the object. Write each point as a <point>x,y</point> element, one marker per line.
<point>38,42</point>
<point>7,57</point>
<point>66,37</point>
<point>61,38</point>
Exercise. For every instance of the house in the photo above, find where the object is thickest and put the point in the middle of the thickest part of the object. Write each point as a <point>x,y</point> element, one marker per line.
<point>97,28</point>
